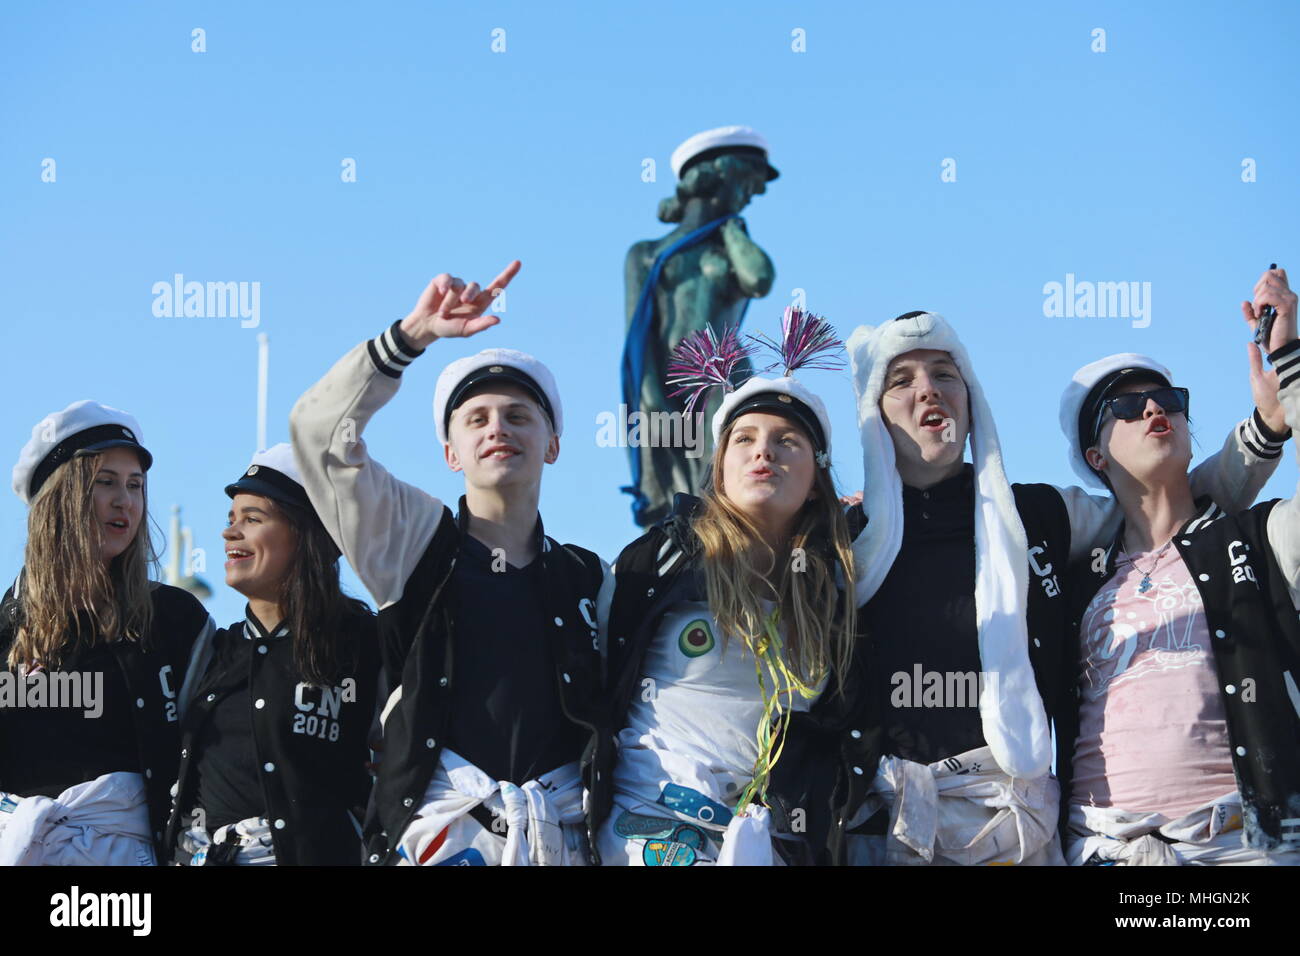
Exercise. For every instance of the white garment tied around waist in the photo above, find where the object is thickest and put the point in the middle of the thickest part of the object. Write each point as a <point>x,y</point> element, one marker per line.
<point>102,822</point>
<point>535,814</point>
<point>251,838</point>
<point>1210,835</point>
<point>964,810</point>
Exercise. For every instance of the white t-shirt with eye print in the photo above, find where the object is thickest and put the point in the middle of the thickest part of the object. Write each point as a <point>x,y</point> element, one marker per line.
<point>694,719</point>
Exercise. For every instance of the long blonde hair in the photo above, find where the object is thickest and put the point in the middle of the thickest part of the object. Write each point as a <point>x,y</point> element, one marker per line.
<point>65,585</point>
<point>818,623</point>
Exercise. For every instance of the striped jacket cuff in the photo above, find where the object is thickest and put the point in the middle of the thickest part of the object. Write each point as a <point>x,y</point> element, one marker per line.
<point>1259,438</point>
<point>390,352</point>
<point>1286,362</point>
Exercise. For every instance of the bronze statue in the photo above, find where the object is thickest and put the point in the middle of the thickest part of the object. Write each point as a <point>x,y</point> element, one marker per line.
<point>699,276</point>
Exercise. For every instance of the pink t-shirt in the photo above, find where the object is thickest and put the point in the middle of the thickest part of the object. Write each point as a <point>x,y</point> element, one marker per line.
<point>1152,731</point>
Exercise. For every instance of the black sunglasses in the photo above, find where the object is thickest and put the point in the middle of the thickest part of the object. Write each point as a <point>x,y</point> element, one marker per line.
<point>1131,405</point>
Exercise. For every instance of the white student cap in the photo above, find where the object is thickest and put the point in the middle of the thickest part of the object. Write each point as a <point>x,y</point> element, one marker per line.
<point>505,365</point>
<point>83,428</point>
<point>272,474</point>
<point>724,139</point>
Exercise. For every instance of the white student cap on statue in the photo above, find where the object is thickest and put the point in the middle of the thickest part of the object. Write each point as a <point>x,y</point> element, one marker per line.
<point>711,142</point>
<point>502,365</point>
<point>83,428</point>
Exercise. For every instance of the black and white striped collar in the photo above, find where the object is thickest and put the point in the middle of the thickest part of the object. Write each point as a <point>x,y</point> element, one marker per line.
<point>1207,513</point>
<point>255,630</point>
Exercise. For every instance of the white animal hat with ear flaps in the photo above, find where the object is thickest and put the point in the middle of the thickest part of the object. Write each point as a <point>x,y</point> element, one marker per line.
<point>1014,720</point>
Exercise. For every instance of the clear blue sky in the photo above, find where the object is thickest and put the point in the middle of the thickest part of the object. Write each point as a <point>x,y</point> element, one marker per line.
<point>225,166</point>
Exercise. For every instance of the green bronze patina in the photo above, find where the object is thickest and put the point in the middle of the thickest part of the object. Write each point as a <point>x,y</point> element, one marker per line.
<point>704,285</point>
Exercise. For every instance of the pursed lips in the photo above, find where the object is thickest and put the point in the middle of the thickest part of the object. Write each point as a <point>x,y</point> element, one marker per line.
<point>1158,425</point>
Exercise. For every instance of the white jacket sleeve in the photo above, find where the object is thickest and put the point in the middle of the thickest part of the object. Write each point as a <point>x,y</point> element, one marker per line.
<point>1284,519</point>
<point>1232,477</point>
<point>382,525</point>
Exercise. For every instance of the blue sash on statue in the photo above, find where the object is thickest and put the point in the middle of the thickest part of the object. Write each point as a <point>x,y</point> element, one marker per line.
<point>634,348</point>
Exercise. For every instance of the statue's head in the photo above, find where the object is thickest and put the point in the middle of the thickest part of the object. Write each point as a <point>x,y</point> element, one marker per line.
<point>723,167</point>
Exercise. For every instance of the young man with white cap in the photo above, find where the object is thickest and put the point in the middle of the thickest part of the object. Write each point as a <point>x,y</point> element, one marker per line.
<point>488,624</point>
<point>959,583</point>
<point>1181,741</point>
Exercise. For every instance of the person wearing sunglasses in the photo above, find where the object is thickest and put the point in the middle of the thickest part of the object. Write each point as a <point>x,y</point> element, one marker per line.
<point>944,749</point>
<point>1184,747</point>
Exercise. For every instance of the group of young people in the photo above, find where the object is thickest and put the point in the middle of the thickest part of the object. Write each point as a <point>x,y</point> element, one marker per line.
<point>766,676</point>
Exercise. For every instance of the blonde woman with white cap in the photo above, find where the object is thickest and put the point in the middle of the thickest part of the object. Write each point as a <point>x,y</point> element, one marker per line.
<point>725,620</point>
<point>1182,744</point>
<point>488,624</point>
<point>96,654</point>
<point>962,611</point>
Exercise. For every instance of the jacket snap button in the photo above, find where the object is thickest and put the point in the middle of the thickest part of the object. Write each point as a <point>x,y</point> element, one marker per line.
<point>925,514</point>
<point>858,771</point>
<point>429,743</point>
<point>1037,643</point>
<point>559,622</point>
<point>1241,751</point>
<point>148,773</point>
<point>1204,577</point>
<point>139,702</point>
<point>259,703</point>
<point>1220,634</point>
<point>268,767</point>
<point>374,858</point>
<point>407,802</point>
<point>650,593</point>
<point>1185,543</point>
<point>855,734</point>
<point>211,698</point>
<point>261,648</point>
<point>567,679</point>
<point>1231,688</point>
<point>279,824</point>
<point>184,752</point>
<point>442,682</point>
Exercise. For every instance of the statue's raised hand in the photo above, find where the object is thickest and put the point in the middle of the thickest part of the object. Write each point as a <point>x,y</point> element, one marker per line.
<point>450,309</point>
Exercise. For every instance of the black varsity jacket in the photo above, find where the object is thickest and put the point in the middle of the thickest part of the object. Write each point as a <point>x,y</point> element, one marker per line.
<point>403,544</point>
<point>1256,640</point>
<point>154,679</point>
<point>310,742</point>
<point>833,751</point>
<point>655,572</point>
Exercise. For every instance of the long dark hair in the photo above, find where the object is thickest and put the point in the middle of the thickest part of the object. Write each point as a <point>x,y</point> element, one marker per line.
<point>322,619</point>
